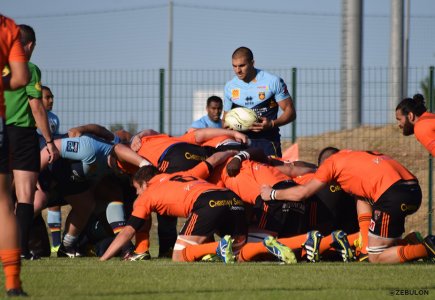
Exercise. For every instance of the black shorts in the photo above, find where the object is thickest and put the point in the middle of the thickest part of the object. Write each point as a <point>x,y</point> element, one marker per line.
<point>269,147</point>
<point>331,209</point>
<point>181,157</point>
<point>24,148</point>
<point>216,212</point>
<point>285,218</point>
<point>4,148</point>
<point>389,212</point>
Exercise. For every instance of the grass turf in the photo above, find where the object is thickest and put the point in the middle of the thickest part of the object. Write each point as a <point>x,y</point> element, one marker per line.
<point>88,278</point>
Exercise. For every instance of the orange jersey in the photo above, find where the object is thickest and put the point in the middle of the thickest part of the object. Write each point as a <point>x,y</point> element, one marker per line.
<point>302,179</point>
<point>173,194</point>
<point>153,146</point>
<point>364,174</point>
<point>248,182</point>
<point>216,141</point>
<point>10,50</point>
<point>424,130</point>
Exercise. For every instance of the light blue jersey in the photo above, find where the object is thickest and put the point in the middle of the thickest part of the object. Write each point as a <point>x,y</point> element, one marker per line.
<point>205,122</point>
<point>53,123</point>
<point>91,151</point>
<point>260,95</point>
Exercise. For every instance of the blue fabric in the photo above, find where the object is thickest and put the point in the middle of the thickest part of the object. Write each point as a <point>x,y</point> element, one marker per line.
<point>91,151</point>
<point>205,122</point>
<point>261,95</point>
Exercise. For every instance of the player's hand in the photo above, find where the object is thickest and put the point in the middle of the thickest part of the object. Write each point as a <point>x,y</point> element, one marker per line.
<point>53,152</point>
<point>265,192</point>
<point>240,137</point>
<point>233,167</point>
<point>136,143</point>
<point>74,132</point>
<point>220,157</point>
<point>264,124</point>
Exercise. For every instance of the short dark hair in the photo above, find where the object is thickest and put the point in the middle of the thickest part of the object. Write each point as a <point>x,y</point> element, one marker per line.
<point>325,153</point>
<point>214,99</point>
<point>244,52</point>
<point>44,87</point>
<point>27,34</point>
<point>416,105</point>
<point>145,174</point>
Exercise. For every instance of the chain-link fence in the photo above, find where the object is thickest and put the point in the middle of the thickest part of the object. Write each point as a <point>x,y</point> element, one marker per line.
<point>138,99</point>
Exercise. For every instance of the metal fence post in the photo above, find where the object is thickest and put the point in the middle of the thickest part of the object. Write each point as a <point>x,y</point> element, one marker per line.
<point>430,192</point>
<point>294,79</point>
<point>162,100</point>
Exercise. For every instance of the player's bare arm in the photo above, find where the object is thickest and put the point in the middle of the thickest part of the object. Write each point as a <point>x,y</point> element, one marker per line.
<point>297,193</point>
<point>136,142</point>
<point>18,77</point>
<point>40,115</point>
<point>288,115</point>
<point>94,129</point>
<point>204,134</point>
<point>121,239</point>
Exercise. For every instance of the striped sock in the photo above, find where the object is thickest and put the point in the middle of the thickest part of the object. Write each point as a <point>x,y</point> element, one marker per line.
<point>115,216</point>
<point>54,220</point>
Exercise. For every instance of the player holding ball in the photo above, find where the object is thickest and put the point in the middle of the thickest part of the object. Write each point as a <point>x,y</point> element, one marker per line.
<point>263,93</point>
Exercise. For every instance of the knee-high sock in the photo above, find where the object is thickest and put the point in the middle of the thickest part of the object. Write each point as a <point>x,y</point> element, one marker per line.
<point>195,252</point>
<point>411,252</point>
<point>143,237</point>
<point>252,251</point>
<point>24,214</point>
<point>115,216</point>
<point>364,223</point>
<point>295,242</point>
<point>11,266</point>
<point>54,220</point>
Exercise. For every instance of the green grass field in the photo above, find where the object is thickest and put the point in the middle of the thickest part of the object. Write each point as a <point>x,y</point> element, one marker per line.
<point>88,278</point>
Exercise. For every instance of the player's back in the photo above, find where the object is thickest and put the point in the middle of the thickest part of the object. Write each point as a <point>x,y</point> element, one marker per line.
<point>252,175</point>
<point>363,173</point>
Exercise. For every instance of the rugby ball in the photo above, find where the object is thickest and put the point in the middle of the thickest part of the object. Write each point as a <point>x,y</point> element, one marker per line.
<point>240,118</point>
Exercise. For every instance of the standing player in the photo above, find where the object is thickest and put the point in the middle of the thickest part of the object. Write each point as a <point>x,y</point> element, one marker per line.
<point>413,118</point>
<point>11,53</point>
<point>264,93</point>
<point>213,117</point>
<point>24,111</point>
<point>54,216</point>
<point>386,188</point>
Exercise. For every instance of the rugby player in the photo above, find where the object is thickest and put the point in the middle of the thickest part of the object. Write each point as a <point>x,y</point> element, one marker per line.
<point>209,209</point>
<point>12,54</point>
<point>387,188</point>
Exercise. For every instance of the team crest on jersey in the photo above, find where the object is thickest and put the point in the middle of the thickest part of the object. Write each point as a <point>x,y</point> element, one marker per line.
<point>72,146</point>
<point>235,94</point>
<point>38,86</point>
<point>262,95</point>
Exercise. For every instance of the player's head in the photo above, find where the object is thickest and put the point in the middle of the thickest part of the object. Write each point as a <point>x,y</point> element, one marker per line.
<point>142,176</point>
<point>123,135</point>
<point>408,111</point>
<point>243,64</point>
<point>47,98</point>
<point>214,108</point>
<point>27,38</point>
<point>325,153</point>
